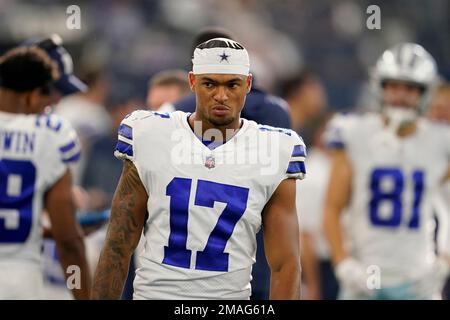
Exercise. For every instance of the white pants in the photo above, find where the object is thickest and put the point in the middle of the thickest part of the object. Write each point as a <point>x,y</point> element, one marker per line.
<point>20,281</point>
<point>421,289</point>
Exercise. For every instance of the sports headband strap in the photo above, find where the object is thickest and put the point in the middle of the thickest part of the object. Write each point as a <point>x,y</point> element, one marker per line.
<point>221,55</point>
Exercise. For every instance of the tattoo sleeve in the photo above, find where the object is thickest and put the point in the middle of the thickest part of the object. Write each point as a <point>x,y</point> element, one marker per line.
<point>124,230</point>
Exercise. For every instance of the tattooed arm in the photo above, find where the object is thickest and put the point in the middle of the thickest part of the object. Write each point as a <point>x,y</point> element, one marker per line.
<point>129,207</point>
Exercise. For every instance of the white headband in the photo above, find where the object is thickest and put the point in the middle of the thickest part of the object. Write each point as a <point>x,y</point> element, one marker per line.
<point>220,55</point>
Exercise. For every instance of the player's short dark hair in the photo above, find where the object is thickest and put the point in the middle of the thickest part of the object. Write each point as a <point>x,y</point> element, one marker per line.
<point>209,33</point>
<point>177,78</point>
<point>290,85</point>
<point>24,69</point>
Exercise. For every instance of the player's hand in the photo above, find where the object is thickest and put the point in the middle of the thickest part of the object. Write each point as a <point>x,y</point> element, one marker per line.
<point>431,284</point>
<point>440,272</point>
<point>312,294</point>
<point>352,275</point>
<point>81,198</point>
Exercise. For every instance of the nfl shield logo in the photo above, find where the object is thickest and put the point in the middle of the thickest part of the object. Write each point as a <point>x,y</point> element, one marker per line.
<point>210,162</point>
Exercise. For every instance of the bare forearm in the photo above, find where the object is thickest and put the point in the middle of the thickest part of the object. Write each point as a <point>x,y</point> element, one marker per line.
<point>111,272</point>
<point>72,253</point>
<point>333,233</point>
<point>124,230</point>
<point>310,266</point>
<point>285,282</point>
<point>114,260</point>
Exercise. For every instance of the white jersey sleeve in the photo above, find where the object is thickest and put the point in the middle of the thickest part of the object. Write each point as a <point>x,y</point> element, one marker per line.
<point>337,133</point>
<point>296,168</point>
<point>447,144</point>
<point>125,147</point>
<point>63,137</point>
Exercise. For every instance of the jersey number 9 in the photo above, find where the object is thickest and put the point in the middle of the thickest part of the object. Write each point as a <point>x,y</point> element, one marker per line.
<point>17,180</point>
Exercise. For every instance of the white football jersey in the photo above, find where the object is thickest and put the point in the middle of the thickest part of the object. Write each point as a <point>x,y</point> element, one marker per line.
<point>204,206</point>
<point>390,221</point>
<point>35,151</point>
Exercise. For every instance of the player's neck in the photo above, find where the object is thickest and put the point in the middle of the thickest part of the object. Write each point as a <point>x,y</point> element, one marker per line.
<point>227,132</point>
<point>405,130</point>
<point>10,102</point>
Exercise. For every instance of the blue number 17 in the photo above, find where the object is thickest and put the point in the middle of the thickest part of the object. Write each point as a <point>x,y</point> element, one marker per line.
<point>213,257</point>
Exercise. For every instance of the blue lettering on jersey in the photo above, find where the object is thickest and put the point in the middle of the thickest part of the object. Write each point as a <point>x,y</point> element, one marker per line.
<point>16,141</point>
<point>7,138</point>
<point>394,196</point>
<point>213,257</point>
<point>53,123</point>
<point>17,186</point>
<point>28,142</point>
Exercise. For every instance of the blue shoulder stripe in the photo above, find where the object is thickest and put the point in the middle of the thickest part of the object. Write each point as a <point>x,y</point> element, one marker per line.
<point>126,131</point>
<point>68,147</point>
<point>124,147</point>
<point>335,145</point>
<point>73,158</point>
<point>274,129</point>
<point>296,167</point>
<point>299,151</point>
<point>162,114</point>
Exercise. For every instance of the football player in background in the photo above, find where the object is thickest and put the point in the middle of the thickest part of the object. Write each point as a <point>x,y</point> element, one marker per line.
<point>55,286</point>
<point>166,87</point>
<point>319,281</point>
<point>199,209</point>
<point>385,169</point>
<point>439,111</point>
<point>35,152</point>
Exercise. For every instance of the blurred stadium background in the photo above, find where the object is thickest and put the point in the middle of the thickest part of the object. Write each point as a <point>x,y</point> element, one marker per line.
<point>131,40</point>
<point>122,44</point>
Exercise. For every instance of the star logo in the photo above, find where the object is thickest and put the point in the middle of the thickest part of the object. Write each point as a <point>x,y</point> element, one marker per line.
<point>223,57</point>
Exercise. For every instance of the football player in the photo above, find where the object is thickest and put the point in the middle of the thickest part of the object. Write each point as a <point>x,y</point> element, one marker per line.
<point>386,168</point>
<point>189,185</point>
<point>35,152</point>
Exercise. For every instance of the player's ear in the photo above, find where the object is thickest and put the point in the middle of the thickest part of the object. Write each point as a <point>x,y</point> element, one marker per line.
<point>249,82</point>
<point>191,77</point>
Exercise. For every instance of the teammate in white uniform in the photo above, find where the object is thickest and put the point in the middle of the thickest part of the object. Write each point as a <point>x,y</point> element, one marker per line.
<point>35,151</point>
<point>386,169</point>
<point>200,207</point>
